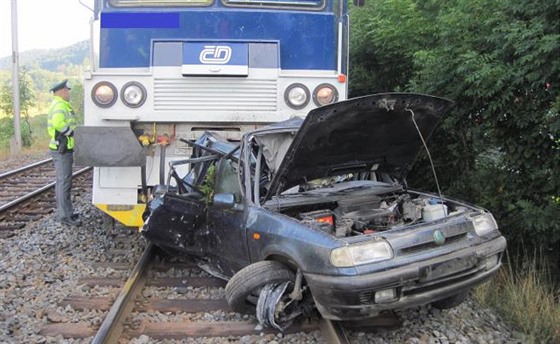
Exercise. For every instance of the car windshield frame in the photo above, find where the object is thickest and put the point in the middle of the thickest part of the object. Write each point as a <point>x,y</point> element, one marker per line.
<point>252,151</point>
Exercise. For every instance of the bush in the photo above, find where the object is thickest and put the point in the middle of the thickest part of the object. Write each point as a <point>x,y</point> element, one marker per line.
<point>7,132</point>
<point>33,132</point>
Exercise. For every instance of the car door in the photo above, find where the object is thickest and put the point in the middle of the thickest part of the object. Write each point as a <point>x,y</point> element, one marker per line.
<point>174,223</point>
<point>225,226</point>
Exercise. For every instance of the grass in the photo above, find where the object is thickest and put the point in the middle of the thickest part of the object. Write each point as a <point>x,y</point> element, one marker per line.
<point>525,299</point>
<point>38,140</point>
<point>38,149</point>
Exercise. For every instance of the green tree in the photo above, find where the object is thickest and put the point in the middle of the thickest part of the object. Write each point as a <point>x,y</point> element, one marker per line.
<point>384,37</point>
<point>77,100</point>
<point>499,61</point>
<point>26,101</point>
<point>26,94</point>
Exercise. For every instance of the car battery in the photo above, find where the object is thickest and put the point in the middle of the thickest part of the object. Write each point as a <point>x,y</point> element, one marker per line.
<point>322,219</point>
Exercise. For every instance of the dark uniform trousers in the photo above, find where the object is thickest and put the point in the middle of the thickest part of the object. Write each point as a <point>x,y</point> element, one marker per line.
<point>63,166</point>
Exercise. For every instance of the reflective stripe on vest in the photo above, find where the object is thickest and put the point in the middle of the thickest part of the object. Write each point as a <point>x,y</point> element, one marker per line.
<point>60,106</point>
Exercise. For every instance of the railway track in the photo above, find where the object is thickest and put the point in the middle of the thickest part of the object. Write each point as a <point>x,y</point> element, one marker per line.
<point>127,306</point>
<point>171,300</point>
<point>27,193</point>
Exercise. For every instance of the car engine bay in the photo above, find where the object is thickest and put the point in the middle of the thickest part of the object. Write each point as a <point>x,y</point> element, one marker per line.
<point>372,213</point>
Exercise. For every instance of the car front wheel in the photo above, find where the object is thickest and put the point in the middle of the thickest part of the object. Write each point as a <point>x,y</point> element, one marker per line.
<point>243,289</point>
<point>264,287</point>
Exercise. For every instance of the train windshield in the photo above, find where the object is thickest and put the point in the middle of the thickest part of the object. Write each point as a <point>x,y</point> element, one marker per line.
<point>248,3</point>
<point>158,3</point>
<point>274,3</point>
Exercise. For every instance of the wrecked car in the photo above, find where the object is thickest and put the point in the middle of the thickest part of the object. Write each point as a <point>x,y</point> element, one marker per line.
<point>314,215</point>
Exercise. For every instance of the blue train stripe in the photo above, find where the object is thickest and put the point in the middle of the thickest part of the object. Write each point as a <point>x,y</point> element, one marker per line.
<point>141,20</point>
<point>306,40</point>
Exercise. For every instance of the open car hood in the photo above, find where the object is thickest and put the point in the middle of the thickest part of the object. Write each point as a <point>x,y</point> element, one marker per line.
<point>371,133</point>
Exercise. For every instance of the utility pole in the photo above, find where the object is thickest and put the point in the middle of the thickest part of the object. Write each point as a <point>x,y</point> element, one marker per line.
<point>15,142</point>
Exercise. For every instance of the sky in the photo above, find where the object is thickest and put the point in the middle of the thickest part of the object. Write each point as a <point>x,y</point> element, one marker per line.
<point>44,24</point>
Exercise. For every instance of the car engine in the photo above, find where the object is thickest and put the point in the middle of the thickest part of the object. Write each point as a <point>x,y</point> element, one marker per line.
<point>372,214</point>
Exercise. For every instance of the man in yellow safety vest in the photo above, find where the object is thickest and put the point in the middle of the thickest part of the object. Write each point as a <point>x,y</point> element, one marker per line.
<point>60,125</point>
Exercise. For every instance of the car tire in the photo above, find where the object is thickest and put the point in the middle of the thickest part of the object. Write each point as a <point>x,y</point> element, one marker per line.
<point>451,301</point>
<point>243,288</point>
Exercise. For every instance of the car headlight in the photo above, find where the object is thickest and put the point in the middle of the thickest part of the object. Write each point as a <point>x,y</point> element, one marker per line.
<point>296,96</point>
<point>104,94</point>
<point>483,223</point>
<point>133,94</point>
<point>325,94</point>
<point>492,261</point>
<point>361,254</point>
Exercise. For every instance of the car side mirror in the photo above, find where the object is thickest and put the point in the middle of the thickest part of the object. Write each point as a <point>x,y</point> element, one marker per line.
<point>224,200</point>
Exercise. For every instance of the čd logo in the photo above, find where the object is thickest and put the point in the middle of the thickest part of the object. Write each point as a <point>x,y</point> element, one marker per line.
<point>215,54</point>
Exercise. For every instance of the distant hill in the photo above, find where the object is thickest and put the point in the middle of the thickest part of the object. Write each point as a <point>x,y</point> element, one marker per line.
<point>50,59</point>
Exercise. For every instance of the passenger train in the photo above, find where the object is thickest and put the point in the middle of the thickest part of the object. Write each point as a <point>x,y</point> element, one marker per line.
<point>166,70</point>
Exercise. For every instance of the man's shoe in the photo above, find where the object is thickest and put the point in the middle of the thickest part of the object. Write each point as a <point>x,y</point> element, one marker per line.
<point>70,221</point>
<point>75,216</point>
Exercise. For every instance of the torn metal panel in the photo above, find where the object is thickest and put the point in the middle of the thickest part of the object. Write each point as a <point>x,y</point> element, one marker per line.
<point>108,147</point>
<point>174,222</point>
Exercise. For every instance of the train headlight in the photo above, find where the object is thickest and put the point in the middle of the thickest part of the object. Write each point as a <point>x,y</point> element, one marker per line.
<point>296,96</point>
<point>325,94</point>
<point>104,94</point>
<point>133,94</point>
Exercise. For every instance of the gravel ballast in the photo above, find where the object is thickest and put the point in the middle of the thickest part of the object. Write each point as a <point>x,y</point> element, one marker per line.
<point>43,263</point>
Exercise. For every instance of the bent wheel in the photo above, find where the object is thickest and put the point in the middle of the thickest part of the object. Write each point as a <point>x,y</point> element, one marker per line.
<point>244,288</point>
<point>275,308</point>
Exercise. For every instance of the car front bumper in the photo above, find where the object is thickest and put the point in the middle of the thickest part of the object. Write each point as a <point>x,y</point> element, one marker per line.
<point>353,297</point>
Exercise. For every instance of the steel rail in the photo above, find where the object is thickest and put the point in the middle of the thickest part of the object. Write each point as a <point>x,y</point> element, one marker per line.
<point>112,326</point>
<point>333,332</point>
<point>38,191</point>
<point>28,167</point>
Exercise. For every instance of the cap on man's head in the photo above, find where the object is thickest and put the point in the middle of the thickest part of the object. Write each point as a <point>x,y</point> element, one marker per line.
<point>63,84</point>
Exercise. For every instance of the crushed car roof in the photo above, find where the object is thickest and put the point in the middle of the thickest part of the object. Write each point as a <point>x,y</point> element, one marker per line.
<point>371,133</point>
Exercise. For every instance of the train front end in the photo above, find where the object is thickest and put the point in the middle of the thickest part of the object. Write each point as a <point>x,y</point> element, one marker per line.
<point>163,73</point>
